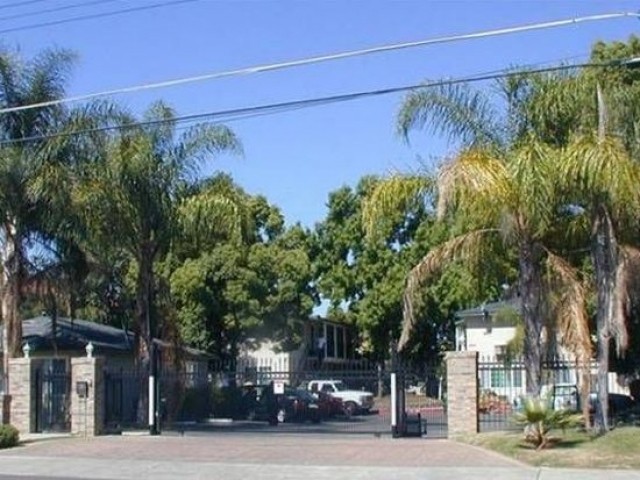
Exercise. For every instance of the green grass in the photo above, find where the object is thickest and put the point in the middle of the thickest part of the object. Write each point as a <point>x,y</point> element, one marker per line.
<point>620,448</point>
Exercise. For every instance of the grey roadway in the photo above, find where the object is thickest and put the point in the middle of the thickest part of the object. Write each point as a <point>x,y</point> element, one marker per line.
<point>236,456</point>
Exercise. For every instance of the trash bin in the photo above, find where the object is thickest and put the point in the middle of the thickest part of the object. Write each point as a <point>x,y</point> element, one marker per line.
<point>412,425</point>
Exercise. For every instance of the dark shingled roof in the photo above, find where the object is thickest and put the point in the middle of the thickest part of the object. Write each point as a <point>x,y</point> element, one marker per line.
<point>477,313</point>
<point>74,334</point>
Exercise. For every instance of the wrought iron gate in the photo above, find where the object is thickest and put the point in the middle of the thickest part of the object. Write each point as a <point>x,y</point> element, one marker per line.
<point>53,396</point>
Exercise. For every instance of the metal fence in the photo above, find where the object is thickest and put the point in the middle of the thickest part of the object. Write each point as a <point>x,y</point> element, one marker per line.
<point>53,396</point>
<point>566,384</point>
<point>229,397</point>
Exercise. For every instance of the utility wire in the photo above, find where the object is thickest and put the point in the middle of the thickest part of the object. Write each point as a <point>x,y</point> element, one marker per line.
<point>95,15</point>
<point>247,112</point>
<point>325,58</point>
<point>56,9</point>
<point>20,4</point>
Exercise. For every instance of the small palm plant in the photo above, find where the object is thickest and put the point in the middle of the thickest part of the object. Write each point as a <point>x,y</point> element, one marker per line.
<point>539,418</point>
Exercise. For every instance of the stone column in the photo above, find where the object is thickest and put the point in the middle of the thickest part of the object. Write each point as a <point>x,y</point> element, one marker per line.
<point>22,409</point>
<point>462,393</point>
<point>87,413</point>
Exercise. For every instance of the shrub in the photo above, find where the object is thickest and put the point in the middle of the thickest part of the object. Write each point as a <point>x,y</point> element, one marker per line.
<point>539,418</point>
<point>9,436</point>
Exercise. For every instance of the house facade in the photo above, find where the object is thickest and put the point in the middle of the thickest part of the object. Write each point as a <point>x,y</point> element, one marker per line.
<point>324,343</point>
<point>489,328</point>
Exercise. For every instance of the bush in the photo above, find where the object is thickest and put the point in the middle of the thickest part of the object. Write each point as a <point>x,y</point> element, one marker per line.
<point>9,436</point>
<point>539,418</point>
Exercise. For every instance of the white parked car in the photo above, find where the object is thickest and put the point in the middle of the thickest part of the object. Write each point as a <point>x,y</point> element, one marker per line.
<point>355,401</point>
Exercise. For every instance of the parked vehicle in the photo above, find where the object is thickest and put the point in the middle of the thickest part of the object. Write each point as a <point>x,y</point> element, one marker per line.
<point>294,405</point>
<point>297,405</point>
<point>565,396</point>
<point>355,401</point>
<point>330,406</point>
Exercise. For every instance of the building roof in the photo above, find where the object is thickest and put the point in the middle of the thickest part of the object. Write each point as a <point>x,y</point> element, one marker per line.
<point>75,334</point>
<point>476,316</point>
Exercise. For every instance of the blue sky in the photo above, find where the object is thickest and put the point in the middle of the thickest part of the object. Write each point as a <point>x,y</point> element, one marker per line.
<point>297,158</point>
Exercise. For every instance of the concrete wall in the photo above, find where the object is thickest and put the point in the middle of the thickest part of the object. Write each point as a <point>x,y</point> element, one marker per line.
<point>462,393</point>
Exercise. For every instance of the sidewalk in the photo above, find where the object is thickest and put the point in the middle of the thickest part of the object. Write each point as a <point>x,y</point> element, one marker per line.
<point>243,456</point>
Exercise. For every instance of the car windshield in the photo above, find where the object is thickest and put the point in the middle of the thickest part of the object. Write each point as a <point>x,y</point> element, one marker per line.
<point>341,387</point>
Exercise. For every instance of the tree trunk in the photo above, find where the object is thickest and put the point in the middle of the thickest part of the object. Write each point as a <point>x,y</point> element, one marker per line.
<point>604,248</point>
<point>144,292</point>
<point>530,260</point>
<point>11,282</point>
<point>144,330</point>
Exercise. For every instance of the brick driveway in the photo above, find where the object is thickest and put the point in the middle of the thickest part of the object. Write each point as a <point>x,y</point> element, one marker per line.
<point>278,449</point>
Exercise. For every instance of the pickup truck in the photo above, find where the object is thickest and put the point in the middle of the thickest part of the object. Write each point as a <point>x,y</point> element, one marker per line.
<point>354,401</point>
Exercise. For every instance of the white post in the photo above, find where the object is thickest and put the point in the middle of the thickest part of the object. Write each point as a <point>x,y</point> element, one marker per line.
<point>152,400</point>
<point>394,404</point>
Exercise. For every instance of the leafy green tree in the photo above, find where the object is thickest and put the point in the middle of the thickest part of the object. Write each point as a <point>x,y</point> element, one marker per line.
<point>363,278</point>
<point>240,285</point>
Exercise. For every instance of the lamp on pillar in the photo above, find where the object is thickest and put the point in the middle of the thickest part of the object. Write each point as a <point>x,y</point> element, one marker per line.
<point>26,350</point>
<point>89,350</point>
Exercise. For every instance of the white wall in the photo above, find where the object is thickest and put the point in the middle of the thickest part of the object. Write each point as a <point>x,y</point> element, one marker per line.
<point>485,342</point>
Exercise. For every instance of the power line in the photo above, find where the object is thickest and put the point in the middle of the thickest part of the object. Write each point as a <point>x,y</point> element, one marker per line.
<point>95,15</point>
<point>56,9</point>
<point>248,112</point>
<point>324,58</point>
<point>20,4</point>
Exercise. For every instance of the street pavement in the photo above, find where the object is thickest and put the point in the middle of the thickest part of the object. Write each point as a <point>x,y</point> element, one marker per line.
<point>243,456</point>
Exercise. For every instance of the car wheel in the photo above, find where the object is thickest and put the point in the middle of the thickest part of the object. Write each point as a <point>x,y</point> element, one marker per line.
<point>281,415</point>
<point>350,408</point>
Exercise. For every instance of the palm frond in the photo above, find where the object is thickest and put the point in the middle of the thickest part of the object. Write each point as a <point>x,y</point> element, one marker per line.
<point>391,196</point>
<point>463,247</point>
<point>603,171</point>
<point>568,295</point>
<point>210,214</point>
<point>454,111</point>
<point>627,277</point>
<point>203,140</point>
<point>473,180</point>
<point>533,184</point>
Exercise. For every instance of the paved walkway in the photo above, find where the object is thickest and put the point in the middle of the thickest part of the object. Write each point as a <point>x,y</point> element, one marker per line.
<point>243,456</point>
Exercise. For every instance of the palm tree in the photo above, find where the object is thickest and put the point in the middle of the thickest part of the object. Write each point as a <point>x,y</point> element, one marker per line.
<point>501,186</point>
<point>603,180</point>
<point>131,193</point>
<point>23,165</point>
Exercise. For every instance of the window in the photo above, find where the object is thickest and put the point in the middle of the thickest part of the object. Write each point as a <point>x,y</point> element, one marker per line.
<point>340,342</point>
<point>517,377</point>
<point>498,378</point>
<point>331,341</point>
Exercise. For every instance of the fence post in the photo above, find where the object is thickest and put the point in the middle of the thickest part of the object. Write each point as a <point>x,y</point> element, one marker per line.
<point>462,393</point>
<point>87,396</point>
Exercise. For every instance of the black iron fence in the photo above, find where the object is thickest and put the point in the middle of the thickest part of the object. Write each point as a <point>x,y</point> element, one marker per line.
<point>347,397</point>
<point>566,384</point>
<point>53,396</point>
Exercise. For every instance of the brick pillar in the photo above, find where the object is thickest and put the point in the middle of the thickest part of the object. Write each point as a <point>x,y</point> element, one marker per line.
<point>462,393</point>
<point>22,378</point>
<point>87,414</point>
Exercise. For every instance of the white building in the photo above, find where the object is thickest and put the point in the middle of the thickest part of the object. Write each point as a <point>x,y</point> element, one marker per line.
<point>489,328</point>
<point>324,342</point>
